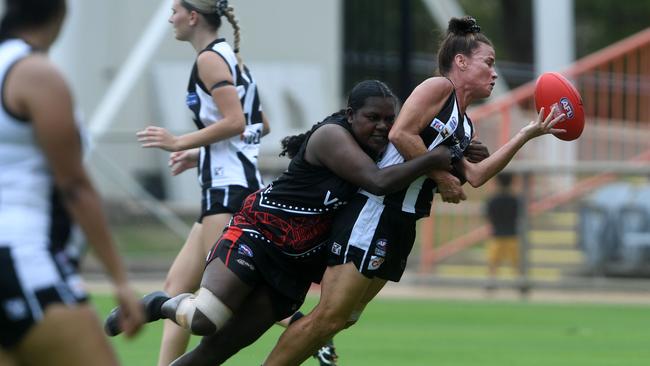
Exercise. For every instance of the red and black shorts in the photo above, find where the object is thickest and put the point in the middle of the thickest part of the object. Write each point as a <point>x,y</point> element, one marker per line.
<point>246,253</point>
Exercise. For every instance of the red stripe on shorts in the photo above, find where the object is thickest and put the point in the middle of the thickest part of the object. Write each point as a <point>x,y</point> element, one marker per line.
<point>232,235</point>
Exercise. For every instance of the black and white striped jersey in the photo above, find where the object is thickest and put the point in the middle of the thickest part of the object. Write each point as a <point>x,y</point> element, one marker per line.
<point>31,213</point>
<point>232,161</point>
<point>449,128</point>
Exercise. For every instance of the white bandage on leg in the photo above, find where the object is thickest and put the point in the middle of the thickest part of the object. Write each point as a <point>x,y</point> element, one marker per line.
<point>212,307</point>
<point>185,311</point>
<point>208,304</point>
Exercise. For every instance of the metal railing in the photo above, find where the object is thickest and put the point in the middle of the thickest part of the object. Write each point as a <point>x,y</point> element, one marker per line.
<point>615,87</point>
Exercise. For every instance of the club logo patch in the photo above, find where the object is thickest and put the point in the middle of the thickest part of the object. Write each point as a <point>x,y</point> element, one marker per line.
<point>380,247</point>
<point>336,248</point>
<point>375,262</point>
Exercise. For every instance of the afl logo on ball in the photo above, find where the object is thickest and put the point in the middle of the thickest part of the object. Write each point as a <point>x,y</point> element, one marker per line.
<point>568,108</point>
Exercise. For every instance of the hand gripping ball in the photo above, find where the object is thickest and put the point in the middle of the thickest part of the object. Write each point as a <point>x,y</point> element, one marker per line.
<point>552,88</point>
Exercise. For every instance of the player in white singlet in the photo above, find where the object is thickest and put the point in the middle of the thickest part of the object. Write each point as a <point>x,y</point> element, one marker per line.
<point>45,316</point>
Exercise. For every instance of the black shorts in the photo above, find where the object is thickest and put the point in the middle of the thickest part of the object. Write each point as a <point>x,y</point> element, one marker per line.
<point>377,239</point>
<point>243,252</point>
<point>31,279</point>
<point>218,200</point>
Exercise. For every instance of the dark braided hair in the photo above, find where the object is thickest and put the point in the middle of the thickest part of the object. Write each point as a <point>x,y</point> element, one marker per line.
<point>463,36</point>
<point>21,14</point>
<point>356,100</point>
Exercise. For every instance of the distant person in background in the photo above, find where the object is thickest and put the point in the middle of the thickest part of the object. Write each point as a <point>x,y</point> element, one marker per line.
<point>502,212</point>
<point>45,316</point>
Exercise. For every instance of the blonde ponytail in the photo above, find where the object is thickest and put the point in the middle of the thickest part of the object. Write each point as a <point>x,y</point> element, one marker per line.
<point>230,15</point>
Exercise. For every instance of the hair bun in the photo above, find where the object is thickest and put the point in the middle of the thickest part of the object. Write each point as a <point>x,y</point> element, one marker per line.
<point>463,26</point>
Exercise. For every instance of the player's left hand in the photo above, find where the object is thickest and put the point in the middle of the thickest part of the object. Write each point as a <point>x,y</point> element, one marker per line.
<point>180,161</point>
<point>542,126</point>
<point>159,137</point>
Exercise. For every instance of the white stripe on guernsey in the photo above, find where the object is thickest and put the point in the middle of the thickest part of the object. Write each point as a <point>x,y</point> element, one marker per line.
<point>364,227</point>
<point>411,196</point>
<point>248,102</point>
<point>468,128</point>
<point>224,49</point>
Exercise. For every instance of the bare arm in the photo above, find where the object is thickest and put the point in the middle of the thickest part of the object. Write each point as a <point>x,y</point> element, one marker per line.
<point>43,96</point>
<point>422,105</point>
<point>350,162</point>
<point>479,173</point>
<point>212,70</point>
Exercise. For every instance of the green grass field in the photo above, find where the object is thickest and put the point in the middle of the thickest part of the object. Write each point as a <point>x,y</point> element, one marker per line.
<point>461,333</point>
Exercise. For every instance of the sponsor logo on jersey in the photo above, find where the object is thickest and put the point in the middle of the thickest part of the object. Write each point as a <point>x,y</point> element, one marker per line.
<point>380,247</point>
<point>336,248</point>
<point>454,123</point>
<point>568,108</point>
<point>445,132</point>
<point>218,170</point>
<point>191,99</point>
<point>16,309</point>
<point>244,263</point>
<point>375,262</point>
<point>245,250</point>
<point>329,201</point>
<point>437,125</point>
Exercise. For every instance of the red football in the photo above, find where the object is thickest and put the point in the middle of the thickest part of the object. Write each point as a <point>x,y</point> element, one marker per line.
<point>553,88</point>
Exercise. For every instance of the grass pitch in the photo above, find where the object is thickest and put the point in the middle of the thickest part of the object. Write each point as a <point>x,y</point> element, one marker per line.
<point>396,332</point>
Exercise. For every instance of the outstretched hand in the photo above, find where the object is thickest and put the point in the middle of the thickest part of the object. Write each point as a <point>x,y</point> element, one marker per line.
<point>159,137</point>
<point>542,126</point>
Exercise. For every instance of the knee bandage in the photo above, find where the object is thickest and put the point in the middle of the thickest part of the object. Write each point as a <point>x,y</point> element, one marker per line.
<point>208,305</point>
